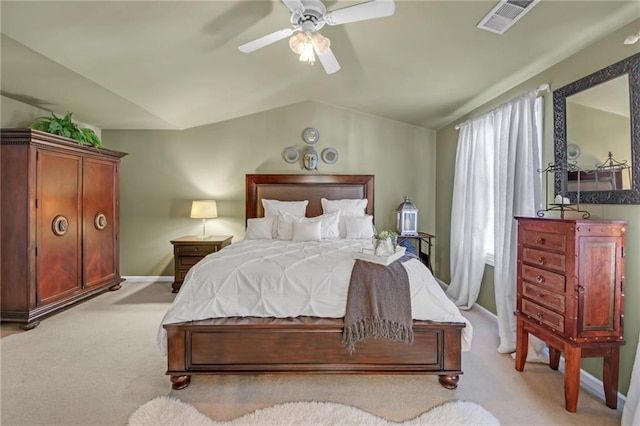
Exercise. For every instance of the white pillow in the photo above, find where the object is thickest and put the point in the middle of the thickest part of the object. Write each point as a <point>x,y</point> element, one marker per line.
<point>359,227</point>
<point>346,207</point>
<point>260,228</point>
<point>284,226</point>
<point>328,225</point>
<point>272,207</point>
<point>306,231</point>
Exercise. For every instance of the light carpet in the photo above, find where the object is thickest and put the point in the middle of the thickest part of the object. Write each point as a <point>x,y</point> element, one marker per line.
<point>171,411</point>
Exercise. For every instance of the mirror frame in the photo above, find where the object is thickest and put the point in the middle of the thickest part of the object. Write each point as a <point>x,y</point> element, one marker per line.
<point>630,66</point>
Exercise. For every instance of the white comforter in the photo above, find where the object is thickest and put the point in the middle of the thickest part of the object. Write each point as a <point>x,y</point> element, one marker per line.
<point>273,278</point>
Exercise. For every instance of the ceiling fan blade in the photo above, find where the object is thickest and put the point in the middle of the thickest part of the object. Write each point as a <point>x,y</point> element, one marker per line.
<point>360,12</point>
<point>265,40</point>
<point>328,61</point>
<point>294,5</point>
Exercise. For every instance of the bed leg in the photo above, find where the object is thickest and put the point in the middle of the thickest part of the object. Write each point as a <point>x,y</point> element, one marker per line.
<point>30,325</point>
<point>180,382</point>
<point>449,382</point>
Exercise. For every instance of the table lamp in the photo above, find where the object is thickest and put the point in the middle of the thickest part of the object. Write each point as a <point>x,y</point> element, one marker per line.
<point>204,209</point>
<point>407,218</point>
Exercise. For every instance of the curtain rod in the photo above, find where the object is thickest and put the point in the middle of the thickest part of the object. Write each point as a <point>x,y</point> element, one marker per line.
<point>543,88</point>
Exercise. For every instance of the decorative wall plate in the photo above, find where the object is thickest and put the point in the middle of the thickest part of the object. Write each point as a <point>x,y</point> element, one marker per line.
<point>291,154</point>
<point>329,155</point>
<point>310,135</point>
<point>573,151</point>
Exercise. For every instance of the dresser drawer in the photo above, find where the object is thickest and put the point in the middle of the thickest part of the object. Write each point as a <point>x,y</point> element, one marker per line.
<point>543,296</point>
<point>544,240</point>
<point>543,315</point>
<point>195,250</point>
<point>188,261</point>
<point>554,261</point>
<point>543,278</point>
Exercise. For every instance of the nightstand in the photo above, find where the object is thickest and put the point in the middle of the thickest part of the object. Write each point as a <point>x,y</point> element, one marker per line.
<point>420,237</point>
<point>189,250</point>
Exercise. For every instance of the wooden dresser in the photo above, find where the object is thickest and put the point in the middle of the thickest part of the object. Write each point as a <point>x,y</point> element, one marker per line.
<point>570,294</point>
<point>59,223</point>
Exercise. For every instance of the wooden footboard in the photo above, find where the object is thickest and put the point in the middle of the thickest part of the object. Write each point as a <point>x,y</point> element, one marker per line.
<point>306,345</point>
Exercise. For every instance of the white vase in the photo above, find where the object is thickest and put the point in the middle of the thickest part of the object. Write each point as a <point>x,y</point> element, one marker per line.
<point>383,247</point>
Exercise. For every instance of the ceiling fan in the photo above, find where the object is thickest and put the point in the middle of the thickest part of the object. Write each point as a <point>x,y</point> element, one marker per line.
<point>308,17</point>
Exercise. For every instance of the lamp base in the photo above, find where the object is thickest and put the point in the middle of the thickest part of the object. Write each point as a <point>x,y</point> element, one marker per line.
<point>203,236</point>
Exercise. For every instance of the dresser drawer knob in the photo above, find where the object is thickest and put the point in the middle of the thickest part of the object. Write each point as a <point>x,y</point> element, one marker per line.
<point>580,289</point>
<point>541,296</point>
<point>539,316</point>
<point>540,240</point>
<point>540,279</point>
<point>541,260</point>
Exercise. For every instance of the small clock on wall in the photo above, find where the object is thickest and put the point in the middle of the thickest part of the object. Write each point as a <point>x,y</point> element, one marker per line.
<point>310,135</point>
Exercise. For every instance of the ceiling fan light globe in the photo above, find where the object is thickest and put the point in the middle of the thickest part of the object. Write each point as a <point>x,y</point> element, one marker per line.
<point>307,54</point>
<point>296,43</point>
<point>321,43</point>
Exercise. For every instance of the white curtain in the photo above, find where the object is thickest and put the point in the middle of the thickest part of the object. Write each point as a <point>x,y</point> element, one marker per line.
<point>517,192</point>
<point>471,209</point>
<point>496,178</point>
<point>631,411</point>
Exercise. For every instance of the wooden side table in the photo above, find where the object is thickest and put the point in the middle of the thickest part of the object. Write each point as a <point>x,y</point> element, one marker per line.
<point>421,237</point>
<point>189,250</point>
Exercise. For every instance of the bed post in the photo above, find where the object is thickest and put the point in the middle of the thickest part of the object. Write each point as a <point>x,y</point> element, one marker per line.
<point>176,357</point>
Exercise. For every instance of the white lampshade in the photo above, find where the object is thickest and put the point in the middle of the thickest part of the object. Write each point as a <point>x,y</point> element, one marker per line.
<point>204,209</point>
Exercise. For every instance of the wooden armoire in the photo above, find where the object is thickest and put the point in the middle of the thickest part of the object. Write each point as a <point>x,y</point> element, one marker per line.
<point>59,223</point>
<point>570,294</point>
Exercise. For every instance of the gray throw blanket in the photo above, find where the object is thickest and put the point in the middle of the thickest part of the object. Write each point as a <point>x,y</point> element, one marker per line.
<point>378,304</point>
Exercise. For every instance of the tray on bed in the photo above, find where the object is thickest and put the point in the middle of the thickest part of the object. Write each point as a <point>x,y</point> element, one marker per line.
<point>370,256</point>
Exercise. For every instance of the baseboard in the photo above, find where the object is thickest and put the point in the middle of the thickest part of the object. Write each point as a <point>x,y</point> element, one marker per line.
<point>485,311</point>
<point>162,278</point>
<point>587,381</point>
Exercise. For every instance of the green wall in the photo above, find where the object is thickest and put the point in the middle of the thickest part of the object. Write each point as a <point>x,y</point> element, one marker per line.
<point>597,56</point>
<point>165,170</point>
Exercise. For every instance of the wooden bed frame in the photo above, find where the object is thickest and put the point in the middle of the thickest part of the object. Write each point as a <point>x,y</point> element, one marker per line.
<point>306,345</point>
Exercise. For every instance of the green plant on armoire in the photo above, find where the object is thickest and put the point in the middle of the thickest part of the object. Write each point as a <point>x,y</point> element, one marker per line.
<point>64,126</point>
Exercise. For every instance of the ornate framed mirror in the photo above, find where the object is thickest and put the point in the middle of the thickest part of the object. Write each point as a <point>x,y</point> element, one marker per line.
<point>597,136</point>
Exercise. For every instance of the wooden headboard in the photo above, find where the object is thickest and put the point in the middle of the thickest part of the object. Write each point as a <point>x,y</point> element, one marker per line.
<point>306,187</point>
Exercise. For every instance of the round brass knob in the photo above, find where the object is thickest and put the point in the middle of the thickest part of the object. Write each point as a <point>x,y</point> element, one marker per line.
<point>60,225</point>
<point>100,221</point>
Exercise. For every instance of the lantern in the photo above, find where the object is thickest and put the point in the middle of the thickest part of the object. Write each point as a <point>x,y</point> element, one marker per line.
<point>407,218</point>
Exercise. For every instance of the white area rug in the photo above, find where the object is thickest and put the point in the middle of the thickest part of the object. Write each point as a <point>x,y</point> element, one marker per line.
<point>171,411</point>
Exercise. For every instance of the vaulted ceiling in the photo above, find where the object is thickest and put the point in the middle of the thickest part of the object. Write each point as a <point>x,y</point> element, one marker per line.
<point>175,64</point>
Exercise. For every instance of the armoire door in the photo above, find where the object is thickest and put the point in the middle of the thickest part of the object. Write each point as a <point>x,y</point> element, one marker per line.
<point>99,217</point>
<point>58,227</point>
<point>598,300</point>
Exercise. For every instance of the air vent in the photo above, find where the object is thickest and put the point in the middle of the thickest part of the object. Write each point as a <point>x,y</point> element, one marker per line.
<point>505,14</point>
